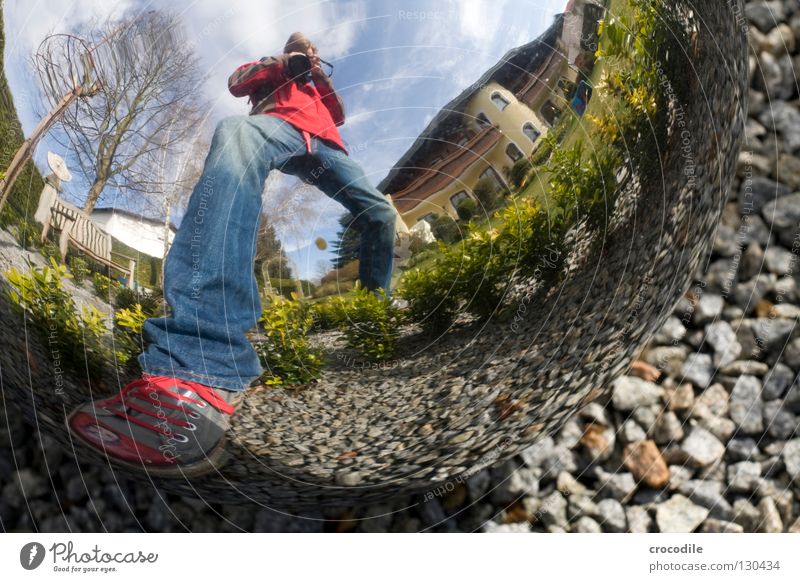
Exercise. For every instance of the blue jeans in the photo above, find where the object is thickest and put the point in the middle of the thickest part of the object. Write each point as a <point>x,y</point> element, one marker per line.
<point>208,275</point>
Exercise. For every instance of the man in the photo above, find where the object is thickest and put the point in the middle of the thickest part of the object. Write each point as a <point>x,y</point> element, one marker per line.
<point>172,420</point>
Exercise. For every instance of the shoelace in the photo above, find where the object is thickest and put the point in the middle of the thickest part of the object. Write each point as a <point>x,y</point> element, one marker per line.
<point>142,389</point>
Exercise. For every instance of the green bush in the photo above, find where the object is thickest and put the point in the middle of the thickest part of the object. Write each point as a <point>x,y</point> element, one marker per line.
<point>488,194</point>
<point>286,354</point>
<point>369,322</point>
<point>72,338</point>
<point>446,229</point>
<point>152,304</point>
<point>105,287</point>
<point>519,172</point>
<point>79,269</point>
<point>50,251</point>
<point>327,313</point>
<point>467,209</point>
<point>128,342</point>
<point>432,301</point>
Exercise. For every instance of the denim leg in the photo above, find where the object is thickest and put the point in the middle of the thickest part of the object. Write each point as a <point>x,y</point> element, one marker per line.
<point>343,180</point>
<point>208,275</point>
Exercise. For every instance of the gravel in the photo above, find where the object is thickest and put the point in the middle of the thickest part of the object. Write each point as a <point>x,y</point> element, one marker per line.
<point>710,445</point>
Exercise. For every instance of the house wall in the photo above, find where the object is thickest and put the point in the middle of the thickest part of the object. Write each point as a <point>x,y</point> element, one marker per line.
<point>145,237</point>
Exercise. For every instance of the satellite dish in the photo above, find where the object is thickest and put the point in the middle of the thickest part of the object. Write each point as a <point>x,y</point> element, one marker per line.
<point>59,167</point>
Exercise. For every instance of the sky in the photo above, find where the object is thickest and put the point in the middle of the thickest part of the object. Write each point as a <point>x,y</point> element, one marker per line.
<point>396,63</point>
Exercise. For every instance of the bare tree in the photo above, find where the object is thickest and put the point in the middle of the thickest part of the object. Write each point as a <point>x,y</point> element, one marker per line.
<point>150,83</point>
<point>176,170</point>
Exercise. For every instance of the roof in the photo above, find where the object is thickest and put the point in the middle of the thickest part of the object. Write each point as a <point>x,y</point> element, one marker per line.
<point>435,178</point>
<point>134,215</point>
<point>512,71</point>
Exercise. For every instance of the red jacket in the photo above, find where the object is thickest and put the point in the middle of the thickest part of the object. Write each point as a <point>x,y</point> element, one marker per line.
<point>313,108</point>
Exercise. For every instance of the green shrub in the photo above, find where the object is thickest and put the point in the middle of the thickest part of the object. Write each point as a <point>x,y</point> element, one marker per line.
<point>105,287</point>
<point>327,313</point>
<point>41,295</point>
<point>286,354</point>
<point>467,209</point>
<point>152,304</point>
<point>487,193</point>
<point>446,229</point>
<point>128,341</point>
<point>79,269</point>
<point>50,251</point>
<point>369,322</point>
<point>519,172</point>
<point>432,301</point>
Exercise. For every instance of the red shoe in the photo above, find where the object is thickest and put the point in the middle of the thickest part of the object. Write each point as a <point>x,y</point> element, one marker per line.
<point>165,426</point>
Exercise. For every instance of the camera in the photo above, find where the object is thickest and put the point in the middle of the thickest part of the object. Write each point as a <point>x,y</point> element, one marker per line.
<point>299,66</point>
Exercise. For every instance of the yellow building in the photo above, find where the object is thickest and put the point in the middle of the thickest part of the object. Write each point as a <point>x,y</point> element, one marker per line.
<point>494,122</point>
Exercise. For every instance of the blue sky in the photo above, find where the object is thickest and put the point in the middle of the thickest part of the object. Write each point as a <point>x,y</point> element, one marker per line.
<point>396,64</point>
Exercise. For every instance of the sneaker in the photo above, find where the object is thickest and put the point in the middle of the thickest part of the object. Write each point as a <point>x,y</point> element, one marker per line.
<point>164,426</point>
<point>399,303</point>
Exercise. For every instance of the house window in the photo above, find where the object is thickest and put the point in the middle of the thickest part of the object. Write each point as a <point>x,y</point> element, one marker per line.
<point>491,174</point>
<point>550,112</point>
<point>567,87</point>
<point>531,132</point>
<point>500,102</point>
<point>456,199</point>
<point>483,121</point>
<point>513,152</point>
<point>429,218</point>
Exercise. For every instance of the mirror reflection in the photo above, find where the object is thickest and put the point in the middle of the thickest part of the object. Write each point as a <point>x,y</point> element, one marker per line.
<point>385,238</point>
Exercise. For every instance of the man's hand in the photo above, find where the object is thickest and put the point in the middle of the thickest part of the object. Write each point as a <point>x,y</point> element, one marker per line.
<point>316,68</point>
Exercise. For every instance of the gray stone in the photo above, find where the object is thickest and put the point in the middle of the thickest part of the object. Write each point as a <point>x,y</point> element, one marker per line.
<point>743,477</point>
<point>708,308</point>
<point>784,119</point>
<point>743,449</point>
<point>492,527</point>
<point>671,332</point>
<point>667,428</point>
<point>748,294</point>
<point>712,401</point>
<point>746,407</point>
<point>773,333</point>
<point>698,369</point>
<point>679,515</point>
<point>669,359</point>
<point>784,215</point>
<point>702,448</point>
<point>758,191</point>
<point>770,517</point>
<point>779,261</point>
<point>639,520</point>
<point>791,355</point>
<point>746,515</point>
<point>619,486</point>
<point>751,262</point>
<point>678,475</point>
<point>745,367</point>
<point>586,524</point>
<point>553,509</point>
<point>791,457</point>
<point>630,392</point>
<point>721,427</point>
<point>765,14</point>
<point>611,516</point>
<point>780,423</point>
<point>722,338</point>
<point>708,494</point>
<point>712,525</point>
<point>631,432</point>
<point>777,380</point>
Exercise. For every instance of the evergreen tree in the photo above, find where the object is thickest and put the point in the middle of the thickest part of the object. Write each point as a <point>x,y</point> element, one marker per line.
<point>347,243</point>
